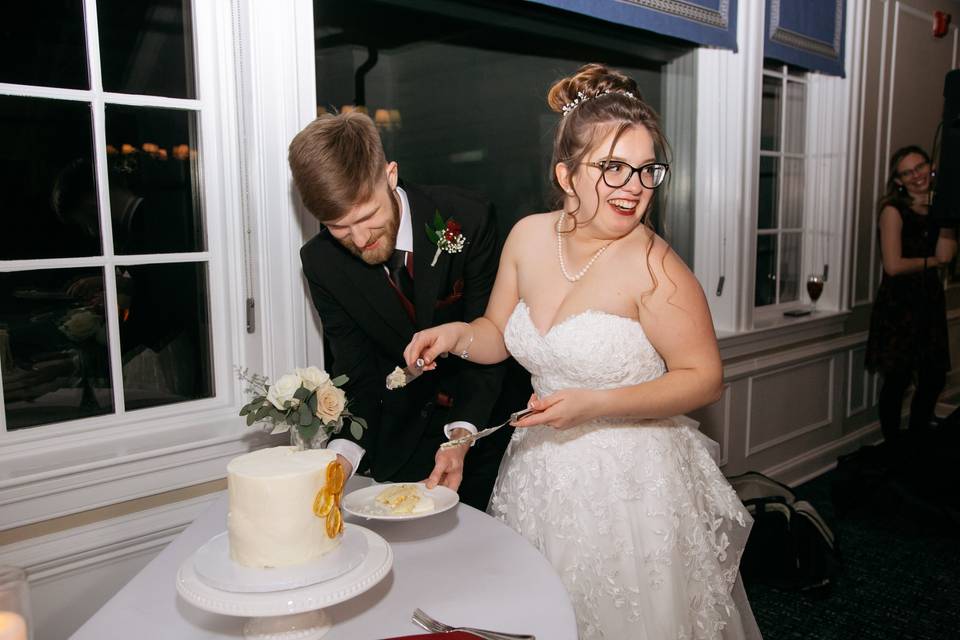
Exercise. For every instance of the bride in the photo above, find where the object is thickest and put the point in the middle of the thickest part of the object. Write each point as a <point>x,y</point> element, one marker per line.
<point>607,479</point>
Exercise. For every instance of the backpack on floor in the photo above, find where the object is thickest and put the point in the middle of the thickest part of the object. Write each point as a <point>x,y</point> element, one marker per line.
<point>790,545</point>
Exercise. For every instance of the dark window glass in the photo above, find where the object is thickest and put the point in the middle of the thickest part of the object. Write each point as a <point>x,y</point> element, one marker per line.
<point>767,200</point>
<point>766,285</point>
<point>53,346</point>
<point>164,333</point>
<point>47,180</point>
<point>146,47</point>
<point>153,178</point>
<point>790,245</point>
<point>459,92</point>
<point>43,43</point>
<point>770,114</point>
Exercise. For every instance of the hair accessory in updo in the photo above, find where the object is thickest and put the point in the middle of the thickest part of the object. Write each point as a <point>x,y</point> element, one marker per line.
<point>581,98</point>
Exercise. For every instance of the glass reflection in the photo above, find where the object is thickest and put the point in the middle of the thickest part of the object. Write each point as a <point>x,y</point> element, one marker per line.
<point>767,200</point>
<point>770,114</point>
<point>790,244</point>
<point>44,43</point>
<point>766,276</point>
<point>146,47</point>
<point>53,346</point>
<point>45,171</point>
<point>153,180</point>
<point>165,334</point>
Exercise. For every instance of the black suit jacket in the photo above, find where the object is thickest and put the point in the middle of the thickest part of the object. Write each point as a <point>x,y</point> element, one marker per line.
<point>366,329</point>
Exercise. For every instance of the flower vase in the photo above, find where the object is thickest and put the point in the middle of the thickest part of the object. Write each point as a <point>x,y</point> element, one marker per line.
<point>318,441</point>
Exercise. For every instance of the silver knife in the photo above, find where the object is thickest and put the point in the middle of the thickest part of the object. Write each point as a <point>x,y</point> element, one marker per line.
<point>456,442</point>
<point>409,373</point>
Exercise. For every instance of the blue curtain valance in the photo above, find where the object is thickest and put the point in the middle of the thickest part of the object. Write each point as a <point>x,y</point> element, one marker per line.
<point>711,22</point>
<point>806,33</point>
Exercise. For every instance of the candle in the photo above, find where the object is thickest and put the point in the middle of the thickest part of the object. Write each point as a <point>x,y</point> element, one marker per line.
<point>12,626</point>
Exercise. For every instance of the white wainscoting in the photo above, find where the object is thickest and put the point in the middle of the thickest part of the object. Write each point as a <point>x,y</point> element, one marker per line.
<point>73,573</point>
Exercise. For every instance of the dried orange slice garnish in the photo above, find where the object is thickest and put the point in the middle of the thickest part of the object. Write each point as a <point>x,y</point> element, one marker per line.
<point>335,477</point>
<point>334,523</point>
<point>323,503</point>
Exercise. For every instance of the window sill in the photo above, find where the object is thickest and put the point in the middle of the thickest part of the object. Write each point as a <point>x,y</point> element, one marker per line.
<point>779,331</point>
<point>44,479</point>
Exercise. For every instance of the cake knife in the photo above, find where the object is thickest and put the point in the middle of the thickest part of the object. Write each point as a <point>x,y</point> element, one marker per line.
<point>456,442</point>
<point>410,373</point>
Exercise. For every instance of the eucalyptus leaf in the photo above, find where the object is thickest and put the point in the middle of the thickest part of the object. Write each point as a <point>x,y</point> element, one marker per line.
<point>312,403</point>
<point>302,393</point>
<point>308,432</point>
<point>339,380</point>
<point>306,417</point>
<point>355,430</point>
<point>264,411</point>
<point>251,418</point>
<point>360,421</point>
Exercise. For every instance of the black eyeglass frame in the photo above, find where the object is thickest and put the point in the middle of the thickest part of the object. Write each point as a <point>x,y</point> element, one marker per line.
<point>602,165</point>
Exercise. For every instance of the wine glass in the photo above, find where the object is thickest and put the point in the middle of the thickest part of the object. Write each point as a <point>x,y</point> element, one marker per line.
<point>814,289</point>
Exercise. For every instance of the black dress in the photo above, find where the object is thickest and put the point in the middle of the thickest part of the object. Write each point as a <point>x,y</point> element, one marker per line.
<point>908,325</point>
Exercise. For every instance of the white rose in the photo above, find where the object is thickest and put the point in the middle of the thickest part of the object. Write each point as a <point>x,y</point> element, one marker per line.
<point>283,389</point>
<point>313,377</point>
<point>81,324</point>
<point>331,402</point>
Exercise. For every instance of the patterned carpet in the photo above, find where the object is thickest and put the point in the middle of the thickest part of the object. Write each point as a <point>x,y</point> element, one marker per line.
<point>900,575</point>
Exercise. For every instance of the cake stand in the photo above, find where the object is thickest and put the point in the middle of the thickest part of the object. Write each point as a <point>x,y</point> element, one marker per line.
<point>293,614</point>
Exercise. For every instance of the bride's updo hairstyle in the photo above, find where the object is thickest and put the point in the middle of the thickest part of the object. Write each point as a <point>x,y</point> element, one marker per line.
<point>593,102</point>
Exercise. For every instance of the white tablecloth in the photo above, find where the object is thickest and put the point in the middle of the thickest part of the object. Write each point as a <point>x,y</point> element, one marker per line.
<point>461,566</point>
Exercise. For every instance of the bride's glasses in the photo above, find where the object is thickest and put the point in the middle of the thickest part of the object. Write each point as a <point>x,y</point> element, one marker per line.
<point>616,173</point>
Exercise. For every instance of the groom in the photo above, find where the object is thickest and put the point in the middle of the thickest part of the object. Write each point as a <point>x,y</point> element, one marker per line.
<point>376,276</point>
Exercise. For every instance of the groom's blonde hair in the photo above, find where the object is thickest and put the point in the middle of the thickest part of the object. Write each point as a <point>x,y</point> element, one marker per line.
<point>337,162</point>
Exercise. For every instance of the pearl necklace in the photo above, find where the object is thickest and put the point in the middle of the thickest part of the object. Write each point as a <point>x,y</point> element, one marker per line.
<point>563,267</point>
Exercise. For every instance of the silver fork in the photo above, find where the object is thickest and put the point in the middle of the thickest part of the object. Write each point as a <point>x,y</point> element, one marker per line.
<point>435,626</point>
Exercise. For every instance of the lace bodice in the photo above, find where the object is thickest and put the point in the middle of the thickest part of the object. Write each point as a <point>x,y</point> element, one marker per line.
<point>633,513</point>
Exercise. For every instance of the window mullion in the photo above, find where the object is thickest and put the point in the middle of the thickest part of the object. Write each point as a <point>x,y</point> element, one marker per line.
<point>98,108</point>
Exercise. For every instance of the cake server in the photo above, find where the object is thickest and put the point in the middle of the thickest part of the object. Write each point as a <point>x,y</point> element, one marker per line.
<point>456,442</point>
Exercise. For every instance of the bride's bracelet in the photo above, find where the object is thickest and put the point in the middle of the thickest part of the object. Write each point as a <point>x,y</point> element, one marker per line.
<point>464,353</point>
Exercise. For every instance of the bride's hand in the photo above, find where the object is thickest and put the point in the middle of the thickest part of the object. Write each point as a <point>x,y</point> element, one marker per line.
<point>429,344</point>
<point>563,409</point>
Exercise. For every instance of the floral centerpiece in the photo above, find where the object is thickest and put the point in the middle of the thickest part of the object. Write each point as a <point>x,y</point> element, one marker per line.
<point>307,401</point>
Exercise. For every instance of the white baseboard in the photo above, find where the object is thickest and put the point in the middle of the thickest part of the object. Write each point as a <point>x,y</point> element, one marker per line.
<point>85,566</point>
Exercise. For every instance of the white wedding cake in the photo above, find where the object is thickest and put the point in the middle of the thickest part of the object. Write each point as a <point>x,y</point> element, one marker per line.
<point>284,506</point>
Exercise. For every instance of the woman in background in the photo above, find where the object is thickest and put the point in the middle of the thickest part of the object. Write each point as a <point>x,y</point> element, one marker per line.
<point>908,326</point>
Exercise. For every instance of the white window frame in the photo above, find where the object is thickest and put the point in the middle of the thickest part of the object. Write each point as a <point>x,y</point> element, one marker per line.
<point>727,111</point>
<point>249,59</point>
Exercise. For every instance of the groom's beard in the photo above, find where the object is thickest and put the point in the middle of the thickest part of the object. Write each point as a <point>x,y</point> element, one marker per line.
<point>385,237</point>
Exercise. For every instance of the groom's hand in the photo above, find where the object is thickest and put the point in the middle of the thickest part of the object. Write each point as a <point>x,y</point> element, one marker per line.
<point>448,467</point>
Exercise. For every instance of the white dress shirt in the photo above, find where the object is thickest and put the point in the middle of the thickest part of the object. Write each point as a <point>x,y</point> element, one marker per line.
<point>348,448</point>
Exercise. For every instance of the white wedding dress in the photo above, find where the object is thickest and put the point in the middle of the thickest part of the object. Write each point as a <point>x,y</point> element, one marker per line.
<point>634,515</point>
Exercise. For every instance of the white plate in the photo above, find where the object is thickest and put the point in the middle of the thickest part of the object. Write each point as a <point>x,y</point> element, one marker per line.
<point>375,566</point>
<point>213,566</point>
<point>363,502</point>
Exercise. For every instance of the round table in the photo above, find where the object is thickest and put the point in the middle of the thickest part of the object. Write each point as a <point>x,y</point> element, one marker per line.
<point>461,566</point>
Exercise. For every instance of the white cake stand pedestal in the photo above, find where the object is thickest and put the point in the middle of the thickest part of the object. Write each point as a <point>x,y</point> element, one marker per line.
<point>293,614</point>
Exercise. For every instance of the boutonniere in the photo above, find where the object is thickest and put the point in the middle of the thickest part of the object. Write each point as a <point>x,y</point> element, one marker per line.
<point>446,235</point>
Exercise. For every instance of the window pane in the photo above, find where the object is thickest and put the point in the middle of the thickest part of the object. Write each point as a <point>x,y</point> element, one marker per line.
<point>789,266</point>
<point>43,43</point>
<point>154,186</point>
<point>53,346</point>
<point>796,117</point>
<point>767,200</point>
<point>50,203</point>
<point>454,108</point>
<point>147,47</point>
<point>792,201</point>
<point>770,114</point>
<point>766,284</point>
<point>164,334</point>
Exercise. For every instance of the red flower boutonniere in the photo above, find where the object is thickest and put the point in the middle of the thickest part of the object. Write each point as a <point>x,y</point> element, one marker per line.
<point>446,235</point>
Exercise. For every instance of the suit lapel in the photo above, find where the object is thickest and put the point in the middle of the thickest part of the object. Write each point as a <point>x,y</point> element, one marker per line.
<point>427,279</point>
<point>370,281</point>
